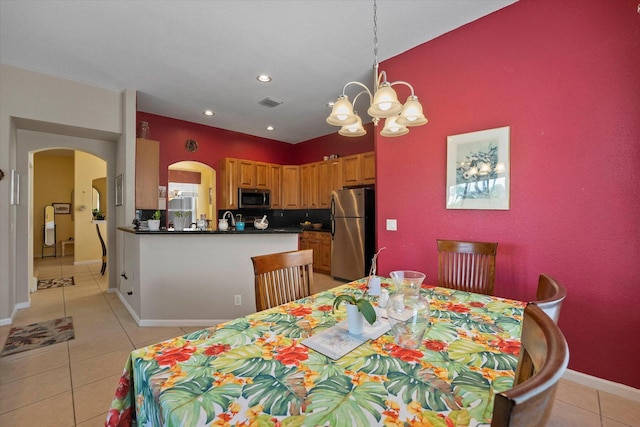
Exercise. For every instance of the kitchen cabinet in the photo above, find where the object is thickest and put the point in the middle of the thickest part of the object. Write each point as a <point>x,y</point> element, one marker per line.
<point>275,179</point>
<point>329,179</point>
<point>290,187</point>
<point>309,186</point>
<point>147,173</point>
<point>359,169</point>
<point>253,174</point>
<point>228,177</point>
<point>320,243</point>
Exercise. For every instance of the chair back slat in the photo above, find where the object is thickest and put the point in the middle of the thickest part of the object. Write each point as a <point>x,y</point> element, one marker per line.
<point>544,357</point>
<point>282,277</point>
<point>467,266</point>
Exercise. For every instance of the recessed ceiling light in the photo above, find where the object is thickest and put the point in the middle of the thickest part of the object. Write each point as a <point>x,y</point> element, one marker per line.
<point>264,78</point>
<point>208,113</point>
<point>270,127</point>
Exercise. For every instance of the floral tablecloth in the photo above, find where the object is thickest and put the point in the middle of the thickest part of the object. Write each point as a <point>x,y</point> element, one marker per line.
<point>254,371</point>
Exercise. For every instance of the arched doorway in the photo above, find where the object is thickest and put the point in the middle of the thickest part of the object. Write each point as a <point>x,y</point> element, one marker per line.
<point>191,188</point>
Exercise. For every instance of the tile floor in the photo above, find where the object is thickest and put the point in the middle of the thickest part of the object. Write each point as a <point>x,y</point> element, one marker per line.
<point>72,383</point>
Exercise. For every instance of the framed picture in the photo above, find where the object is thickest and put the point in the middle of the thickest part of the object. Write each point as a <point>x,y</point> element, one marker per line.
<point>61,208</point>
<point>15,188</point>
<point>478,170</point>
<point>119,190</point>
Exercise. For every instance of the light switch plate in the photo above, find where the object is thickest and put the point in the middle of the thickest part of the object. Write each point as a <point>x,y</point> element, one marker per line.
<point>392,225</point>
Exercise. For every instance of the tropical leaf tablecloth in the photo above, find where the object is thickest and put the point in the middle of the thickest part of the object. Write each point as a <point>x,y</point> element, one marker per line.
<point>254,371</point>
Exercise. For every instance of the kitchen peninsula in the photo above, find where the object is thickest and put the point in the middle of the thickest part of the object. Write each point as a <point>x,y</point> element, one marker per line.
<point>194,278</point>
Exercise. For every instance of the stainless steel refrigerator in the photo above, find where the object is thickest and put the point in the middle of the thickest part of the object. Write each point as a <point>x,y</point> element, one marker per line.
<point>353,232</point>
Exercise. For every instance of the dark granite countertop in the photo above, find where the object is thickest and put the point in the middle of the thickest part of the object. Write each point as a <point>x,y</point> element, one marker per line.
<point>247,230</point>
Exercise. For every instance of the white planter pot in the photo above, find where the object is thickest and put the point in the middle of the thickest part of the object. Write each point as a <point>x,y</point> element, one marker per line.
<point>153,224</point>
<point>355,320</point>
<point>179,223</point>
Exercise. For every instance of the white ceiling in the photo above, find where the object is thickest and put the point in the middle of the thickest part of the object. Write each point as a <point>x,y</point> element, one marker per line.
<point>187,56</point>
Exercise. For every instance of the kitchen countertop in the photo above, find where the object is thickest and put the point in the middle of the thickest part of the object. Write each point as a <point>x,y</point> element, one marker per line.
<point>247,230</point>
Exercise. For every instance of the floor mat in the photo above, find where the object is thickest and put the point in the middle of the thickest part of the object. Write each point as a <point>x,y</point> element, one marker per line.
<point>36,335</point>
<point>56,283</point>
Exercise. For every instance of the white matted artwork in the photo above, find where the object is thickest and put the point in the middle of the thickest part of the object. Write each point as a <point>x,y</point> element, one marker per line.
<point>478,170</point>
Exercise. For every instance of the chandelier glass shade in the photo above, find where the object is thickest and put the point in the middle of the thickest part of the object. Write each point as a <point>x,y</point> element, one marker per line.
<point>353,130</point>
<point>383,104</point>
<point>393,128</point>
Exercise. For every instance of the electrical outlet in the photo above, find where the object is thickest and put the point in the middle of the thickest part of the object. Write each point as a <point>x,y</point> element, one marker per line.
<point>392,225</point>
<point>237,299</point>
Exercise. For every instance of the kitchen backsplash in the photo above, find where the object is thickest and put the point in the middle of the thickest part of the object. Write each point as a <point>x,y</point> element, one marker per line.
<point>276,217</point>
<point>285,218</point>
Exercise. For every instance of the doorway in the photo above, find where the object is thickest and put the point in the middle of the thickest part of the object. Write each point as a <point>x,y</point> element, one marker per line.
<point>191,191</point>
<point>73,183</point>
<point>28,144</point>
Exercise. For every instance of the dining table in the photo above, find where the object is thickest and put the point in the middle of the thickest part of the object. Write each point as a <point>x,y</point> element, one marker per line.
<point>290,366</point>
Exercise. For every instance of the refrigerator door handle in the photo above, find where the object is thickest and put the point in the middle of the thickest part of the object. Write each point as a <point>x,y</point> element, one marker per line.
<point>333,217</point>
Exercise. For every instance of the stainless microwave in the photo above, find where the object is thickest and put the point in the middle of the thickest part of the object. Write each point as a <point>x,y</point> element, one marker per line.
<point>254,198</point>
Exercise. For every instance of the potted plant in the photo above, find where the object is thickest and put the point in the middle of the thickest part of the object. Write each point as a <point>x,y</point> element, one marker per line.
<point>154,222</point>
<point>180,217</point>
<point>357,310</point>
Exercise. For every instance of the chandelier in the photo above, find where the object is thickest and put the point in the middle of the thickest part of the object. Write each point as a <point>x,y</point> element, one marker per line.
<point>383,103</point>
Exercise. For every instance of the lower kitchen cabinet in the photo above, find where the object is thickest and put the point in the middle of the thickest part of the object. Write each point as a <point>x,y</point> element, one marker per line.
<point>320,242</point>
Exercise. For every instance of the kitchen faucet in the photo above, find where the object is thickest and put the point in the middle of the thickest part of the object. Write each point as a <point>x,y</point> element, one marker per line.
<point>233,220</point>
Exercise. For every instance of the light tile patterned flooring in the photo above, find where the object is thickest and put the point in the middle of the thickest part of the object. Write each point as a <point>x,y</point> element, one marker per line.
<point>72,383</point>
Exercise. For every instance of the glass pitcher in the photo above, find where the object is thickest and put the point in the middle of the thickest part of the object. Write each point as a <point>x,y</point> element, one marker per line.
<point>407,309</point>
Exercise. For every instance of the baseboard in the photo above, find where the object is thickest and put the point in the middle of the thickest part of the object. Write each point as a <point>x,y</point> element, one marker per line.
<point>128,307</point>
<point>91,261</point>
<point>19,306</point>
<point>166,322</point>
<point>181,322</point>
<point>618,389</point>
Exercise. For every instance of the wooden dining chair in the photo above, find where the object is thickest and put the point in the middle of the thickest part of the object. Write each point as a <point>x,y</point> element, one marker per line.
<point>282,277</point>
<point>543,359</point>
<point>549,296</point>
<point>467,266</point>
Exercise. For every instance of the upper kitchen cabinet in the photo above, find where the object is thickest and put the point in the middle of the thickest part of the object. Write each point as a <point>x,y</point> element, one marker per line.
<point>147,173</point>
<point>275,178</point>
<point>253,174</point>
<point>309,186</point>
<point>329,179</point>
<point>359,169</point>
<point>228,181</point>
<point>290,187</point>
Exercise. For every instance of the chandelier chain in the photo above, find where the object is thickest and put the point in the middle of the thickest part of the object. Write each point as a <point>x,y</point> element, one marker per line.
<point>375,33</point>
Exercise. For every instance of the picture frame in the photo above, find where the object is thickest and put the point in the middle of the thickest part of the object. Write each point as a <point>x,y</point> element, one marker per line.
<point>478,170</point>
<point>119,187</point>
<point>61,208</point>
<point>15,188</point>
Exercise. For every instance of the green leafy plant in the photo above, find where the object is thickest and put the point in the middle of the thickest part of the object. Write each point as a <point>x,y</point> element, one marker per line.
<point>156,215</point>
<point>181,214</point>
<point>363,305</point>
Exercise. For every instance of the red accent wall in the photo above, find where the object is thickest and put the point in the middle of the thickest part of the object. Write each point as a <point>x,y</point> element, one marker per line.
<point>315,149</point>
<point>565,76</point>
<point>213,144</point>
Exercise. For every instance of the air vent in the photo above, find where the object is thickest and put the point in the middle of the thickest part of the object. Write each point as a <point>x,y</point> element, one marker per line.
<point>270,102</point>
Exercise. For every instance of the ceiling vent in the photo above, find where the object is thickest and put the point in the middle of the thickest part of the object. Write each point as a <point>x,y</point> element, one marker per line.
<point>270,102</point>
